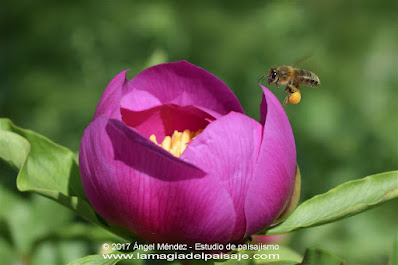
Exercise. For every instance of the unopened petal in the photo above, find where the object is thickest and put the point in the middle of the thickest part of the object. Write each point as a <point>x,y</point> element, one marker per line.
<point>227,149</point>
<point>179,83</point>
<point>136,184</point>
<point>274,173</point>
<point>109,104</point>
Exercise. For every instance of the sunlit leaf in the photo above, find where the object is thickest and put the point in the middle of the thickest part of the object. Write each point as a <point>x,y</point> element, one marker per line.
<point>312,257</point>
<point>280,263</point>
<point>49,170</point>
<point>13,148</point>
<point>280,253</point>
<point>343,201</point>
<point>100,259</point>
<point>94,260</point>
<point>318,257</point>
<point>284,254</point>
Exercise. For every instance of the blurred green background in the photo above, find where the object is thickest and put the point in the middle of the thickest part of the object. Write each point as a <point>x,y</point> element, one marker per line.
<point>56,59</point>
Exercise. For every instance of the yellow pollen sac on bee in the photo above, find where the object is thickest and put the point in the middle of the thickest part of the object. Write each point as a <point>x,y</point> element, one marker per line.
<point>295,98</point>
<point>177,143</point>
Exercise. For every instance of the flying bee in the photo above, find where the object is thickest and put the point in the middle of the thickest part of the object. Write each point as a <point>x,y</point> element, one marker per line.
<point>292,78</point>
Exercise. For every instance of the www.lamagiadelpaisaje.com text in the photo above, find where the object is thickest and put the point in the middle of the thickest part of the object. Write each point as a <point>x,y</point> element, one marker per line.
<point>182,251</point>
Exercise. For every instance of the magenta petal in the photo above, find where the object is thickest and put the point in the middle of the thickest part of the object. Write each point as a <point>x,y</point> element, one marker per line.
<point>135,184</point>
<point>109,104</point>
<point>274,173</point>
<point>227,149</point>
<point>179,83</point>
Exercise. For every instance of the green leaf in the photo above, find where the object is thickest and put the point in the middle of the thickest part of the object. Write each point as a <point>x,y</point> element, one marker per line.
<point>343,201</point>
<point>312,257</point>
<point>317,257</point>
<point>50,170</point>
<point>280,253</point>
<point>99,259</point>
<point>280,263</point>
<point>13,148</point>
<point>285,254</point>
<point>43,165</point>
<point>94,260</point>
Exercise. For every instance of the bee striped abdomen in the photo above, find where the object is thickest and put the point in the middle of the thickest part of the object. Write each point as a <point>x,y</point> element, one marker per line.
<point>308,78</point>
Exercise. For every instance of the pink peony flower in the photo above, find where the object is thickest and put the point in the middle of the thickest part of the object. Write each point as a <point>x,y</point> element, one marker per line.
<point>171,156</point>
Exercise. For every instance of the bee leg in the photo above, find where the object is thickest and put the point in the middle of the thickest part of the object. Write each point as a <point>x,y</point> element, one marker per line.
<point>295,89</point>
<point>285,101</point>
<point>291,88</point>
<point>287,90</point>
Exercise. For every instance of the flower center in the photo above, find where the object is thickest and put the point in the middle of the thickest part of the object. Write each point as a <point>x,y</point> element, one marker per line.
<point>177,143</point>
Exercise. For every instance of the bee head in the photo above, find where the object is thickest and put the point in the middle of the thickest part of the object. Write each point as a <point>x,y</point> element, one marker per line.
<point>272,76</point>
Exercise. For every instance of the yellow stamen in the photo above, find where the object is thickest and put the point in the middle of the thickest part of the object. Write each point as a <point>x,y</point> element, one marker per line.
<point>166,144</point>
<point>153,139</point>
<point>185,137</point>
<point>177,143</point>
<point>173,137</point>
<point>176,149</point>
<point>183,147</point>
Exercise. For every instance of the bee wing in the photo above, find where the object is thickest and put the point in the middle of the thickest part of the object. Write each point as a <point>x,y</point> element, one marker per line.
<point>302,59</point>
